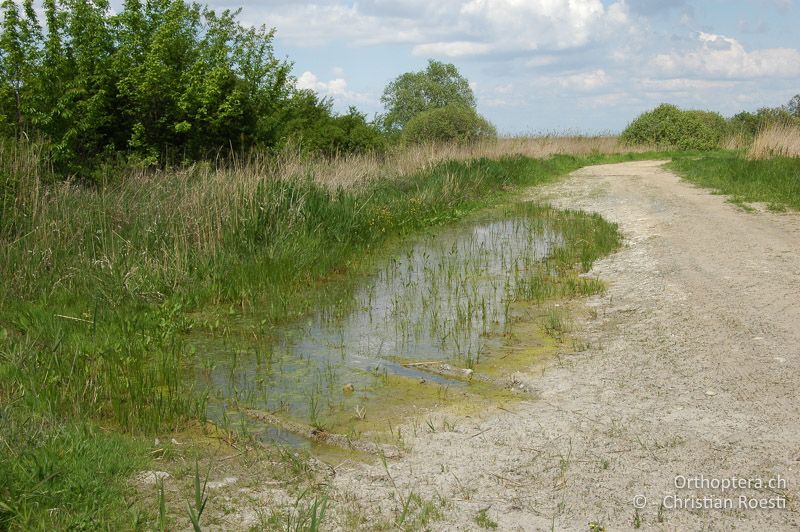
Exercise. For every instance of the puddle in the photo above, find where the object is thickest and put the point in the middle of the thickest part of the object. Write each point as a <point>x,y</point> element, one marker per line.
<point>443,296</point>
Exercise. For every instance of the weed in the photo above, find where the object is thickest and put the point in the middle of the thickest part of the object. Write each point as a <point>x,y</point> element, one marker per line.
<point>637,519</point>
<point>200,498</point>
<point>484,521</point>
<point>307,517</point>
<point>162,506</point>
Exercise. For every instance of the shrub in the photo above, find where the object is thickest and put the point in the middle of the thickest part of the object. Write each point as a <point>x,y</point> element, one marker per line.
<point>669,126</point>
<point>456,123</point>
<point>750,124</point>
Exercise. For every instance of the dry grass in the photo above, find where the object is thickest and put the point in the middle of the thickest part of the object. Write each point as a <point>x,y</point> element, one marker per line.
<point>208,197</point>
<point>776,141</point>
<point>736,142</point>
<point>191,207</point>
<point>348,171</point>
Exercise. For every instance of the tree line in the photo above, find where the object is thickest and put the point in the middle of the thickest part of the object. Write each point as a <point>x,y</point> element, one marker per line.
<point>166,81</point>
<point>669,126</point>
<point>160,80</point>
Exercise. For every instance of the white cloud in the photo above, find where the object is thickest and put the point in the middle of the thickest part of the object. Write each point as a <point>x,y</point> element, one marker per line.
<point>720,57</point>
<point>587,81</point>
<point>315,25</point>
<point>683,84</point>
<point>451,49</point>
<point>453,28</point>
<point>554,24</point>
<point>609,100</point>
<point>336,87</point>
<point>540,61</point>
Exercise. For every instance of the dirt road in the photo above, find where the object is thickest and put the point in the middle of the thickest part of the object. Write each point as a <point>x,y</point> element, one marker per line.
<point>693,368</point>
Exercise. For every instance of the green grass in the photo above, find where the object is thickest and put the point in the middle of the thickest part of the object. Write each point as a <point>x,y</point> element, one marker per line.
<point>67,476</point>
<point>99,286</point>
<point>484,521</point>
<point>773,181</point>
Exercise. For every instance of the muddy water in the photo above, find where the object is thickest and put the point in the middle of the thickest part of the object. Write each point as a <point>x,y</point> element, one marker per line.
<point>442,296</point>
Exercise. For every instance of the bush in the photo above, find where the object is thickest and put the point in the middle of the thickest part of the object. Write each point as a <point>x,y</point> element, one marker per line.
<point>670,127</point>
<point>750,124</point>
<point>456,123</point>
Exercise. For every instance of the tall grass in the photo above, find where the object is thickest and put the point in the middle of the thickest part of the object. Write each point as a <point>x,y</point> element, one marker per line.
<point>775,181</point>
<point>355,169</point>
<point>779,140</point>
<point>99,284</point>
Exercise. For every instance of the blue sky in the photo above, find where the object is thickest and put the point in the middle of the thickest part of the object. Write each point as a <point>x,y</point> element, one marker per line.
<point>547,65</point>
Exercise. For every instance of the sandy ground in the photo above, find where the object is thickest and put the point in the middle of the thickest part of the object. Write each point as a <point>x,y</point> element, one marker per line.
<point>693,368</point>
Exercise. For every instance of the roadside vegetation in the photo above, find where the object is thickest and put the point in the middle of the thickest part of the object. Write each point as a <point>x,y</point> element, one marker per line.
<point>161,173</point>
<point>100,285</point>
<point>774,181</point>
<point>753,157</point>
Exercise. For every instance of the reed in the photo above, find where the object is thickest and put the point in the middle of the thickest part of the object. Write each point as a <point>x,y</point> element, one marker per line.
<point>778,140</point>
<point>101,282</point>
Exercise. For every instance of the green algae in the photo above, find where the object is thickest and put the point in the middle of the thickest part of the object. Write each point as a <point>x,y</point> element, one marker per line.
<point>469,296</point>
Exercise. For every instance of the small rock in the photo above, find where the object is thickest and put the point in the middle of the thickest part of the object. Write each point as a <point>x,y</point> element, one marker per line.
<point>175,442</point>
<point>468,372</point>
<point>348,388</point>
<point>222,483</point>
<point>422,381</point>
<point>780,360</point>
<point>149,478</point>
<point>711,393</point>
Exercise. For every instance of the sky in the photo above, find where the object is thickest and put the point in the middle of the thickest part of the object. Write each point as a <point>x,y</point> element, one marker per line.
<point>547,66</point>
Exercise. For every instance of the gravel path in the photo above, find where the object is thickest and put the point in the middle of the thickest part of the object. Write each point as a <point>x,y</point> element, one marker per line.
<point>693,368</point>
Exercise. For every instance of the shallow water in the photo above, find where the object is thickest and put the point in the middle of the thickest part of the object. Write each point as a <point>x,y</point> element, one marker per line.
<point>441,296</point>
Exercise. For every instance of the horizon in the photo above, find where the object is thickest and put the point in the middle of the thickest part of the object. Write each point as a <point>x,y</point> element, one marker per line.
<point>584,67</point>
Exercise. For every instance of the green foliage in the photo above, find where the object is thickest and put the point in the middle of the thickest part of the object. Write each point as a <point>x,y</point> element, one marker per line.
<point>160,81</point>
<point>715,122</point>
<point>749,124</point>
<point>447,124</point>
<point>308,122</point>
<point>793,106</point>
<point>64,477</point>
<point>18,52</point>
<point>668,126</point>
<point>775,181</point>
<point>484,521</point>
<point>439,85</point>
<point>100,286</point>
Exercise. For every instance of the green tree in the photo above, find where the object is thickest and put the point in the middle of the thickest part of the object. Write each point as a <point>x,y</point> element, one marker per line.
<point>309,123</point>
<point>669,126</point>
<point>160,81</point>
<point>452,123</point>
<point>793,107</point>
<point>19,36</point>
<point>439,85</point>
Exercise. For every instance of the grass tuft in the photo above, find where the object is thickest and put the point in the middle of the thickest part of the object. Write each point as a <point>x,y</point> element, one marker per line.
<point>775,181</point>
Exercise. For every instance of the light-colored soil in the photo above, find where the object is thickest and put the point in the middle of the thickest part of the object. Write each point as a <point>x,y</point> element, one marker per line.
<point>693,368</point>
